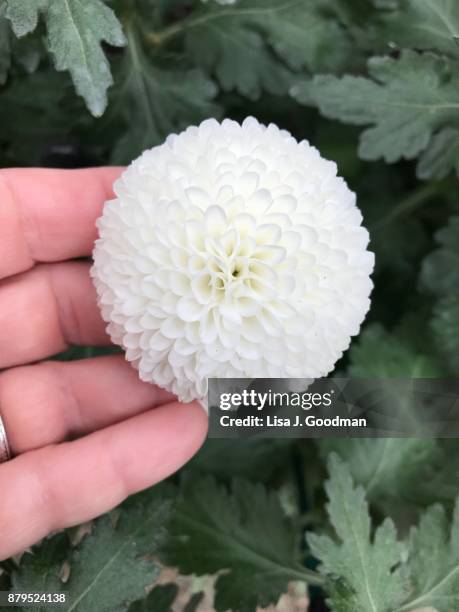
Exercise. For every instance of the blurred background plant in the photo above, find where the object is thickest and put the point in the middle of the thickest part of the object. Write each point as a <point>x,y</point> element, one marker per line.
<point>374,84</point>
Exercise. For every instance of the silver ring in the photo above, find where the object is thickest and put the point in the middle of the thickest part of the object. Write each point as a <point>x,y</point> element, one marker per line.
<point>5,453</point>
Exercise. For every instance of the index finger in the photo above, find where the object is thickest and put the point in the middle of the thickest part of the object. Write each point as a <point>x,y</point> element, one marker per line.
<point>49,215</point>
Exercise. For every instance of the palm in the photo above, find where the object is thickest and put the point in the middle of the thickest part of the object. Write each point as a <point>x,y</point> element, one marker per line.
<point>129,435</point>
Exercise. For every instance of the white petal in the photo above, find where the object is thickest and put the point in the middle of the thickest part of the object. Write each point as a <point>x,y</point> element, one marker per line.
<point>189,309</point>
<point>215,220</point>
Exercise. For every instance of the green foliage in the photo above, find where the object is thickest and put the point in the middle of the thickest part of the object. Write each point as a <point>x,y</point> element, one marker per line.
<point>236,53</point>
<point>245,532</point>
<point>409,98</point>
<point>236,43</point>
<point>405,100</point>
<point>250,458</point>
<point>390,469</point>
<point>363,572</point>
<point>155,101</point>
<point>434,561</point>
<point>440,276</point>
<point>369,568</point>
<point>422,24</point>
<point>24,15</point>
<point>76,29</point>
<point>441,156</point>
<point>440,270</point>
<point>112,566</point>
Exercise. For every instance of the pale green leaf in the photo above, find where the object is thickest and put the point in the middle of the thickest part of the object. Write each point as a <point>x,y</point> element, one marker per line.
<point>388,468</point>
<point>241,44</point>
<point>302,36</point>
<point>24,15</point>
<point>238,57</point>
<point>422,24</point>
<point>404,101</point>
<point>76,29</point>
<point>441,156</point>
<point>361,567</point>
<point>433,562</point>
<point>244,532</point>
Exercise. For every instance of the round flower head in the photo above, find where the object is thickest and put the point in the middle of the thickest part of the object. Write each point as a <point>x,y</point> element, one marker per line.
<point>231,251</point>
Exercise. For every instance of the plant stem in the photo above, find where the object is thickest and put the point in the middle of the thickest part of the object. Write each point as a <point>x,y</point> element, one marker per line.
<point>310,577</point>
<point>413,201</point>
<point>158,38</point>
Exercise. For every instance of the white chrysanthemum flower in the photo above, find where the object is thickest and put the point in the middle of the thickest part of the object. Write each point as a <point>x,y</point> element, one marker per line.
<point>231,251</point>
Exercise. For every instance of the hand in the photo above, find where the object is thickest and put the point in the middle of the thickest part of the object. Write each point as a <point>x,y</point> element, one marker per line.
<point>84,434</point>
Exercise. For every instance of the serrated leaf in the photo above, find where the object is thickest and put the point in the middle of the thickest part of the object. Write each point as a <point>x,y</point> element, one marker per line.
<point>440,269</point>
<point>236,43</point>
<point>76,30</point>
<point>238,57</point>
<point>24,15</point>
<point>379,354</point>
<point>362,570</point>
<point>41,568</point>
<point>302,35</point>
<point>244,532</point>
<point>405,101</point>
<point>422,24</point>
<point>433,561</point>
<point>156,100</point>
<point>441,156</point>
<point>388,468</point>
<point>111,567</point>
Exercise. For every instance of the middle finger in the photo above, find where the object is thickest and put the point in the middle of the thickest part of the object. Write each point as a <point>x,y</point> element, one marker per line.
<point>46,309</point>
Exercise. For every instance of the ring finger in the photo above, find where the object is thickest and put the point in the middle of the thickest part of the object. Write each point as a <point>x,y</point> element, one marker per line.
<point>54,401</point>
